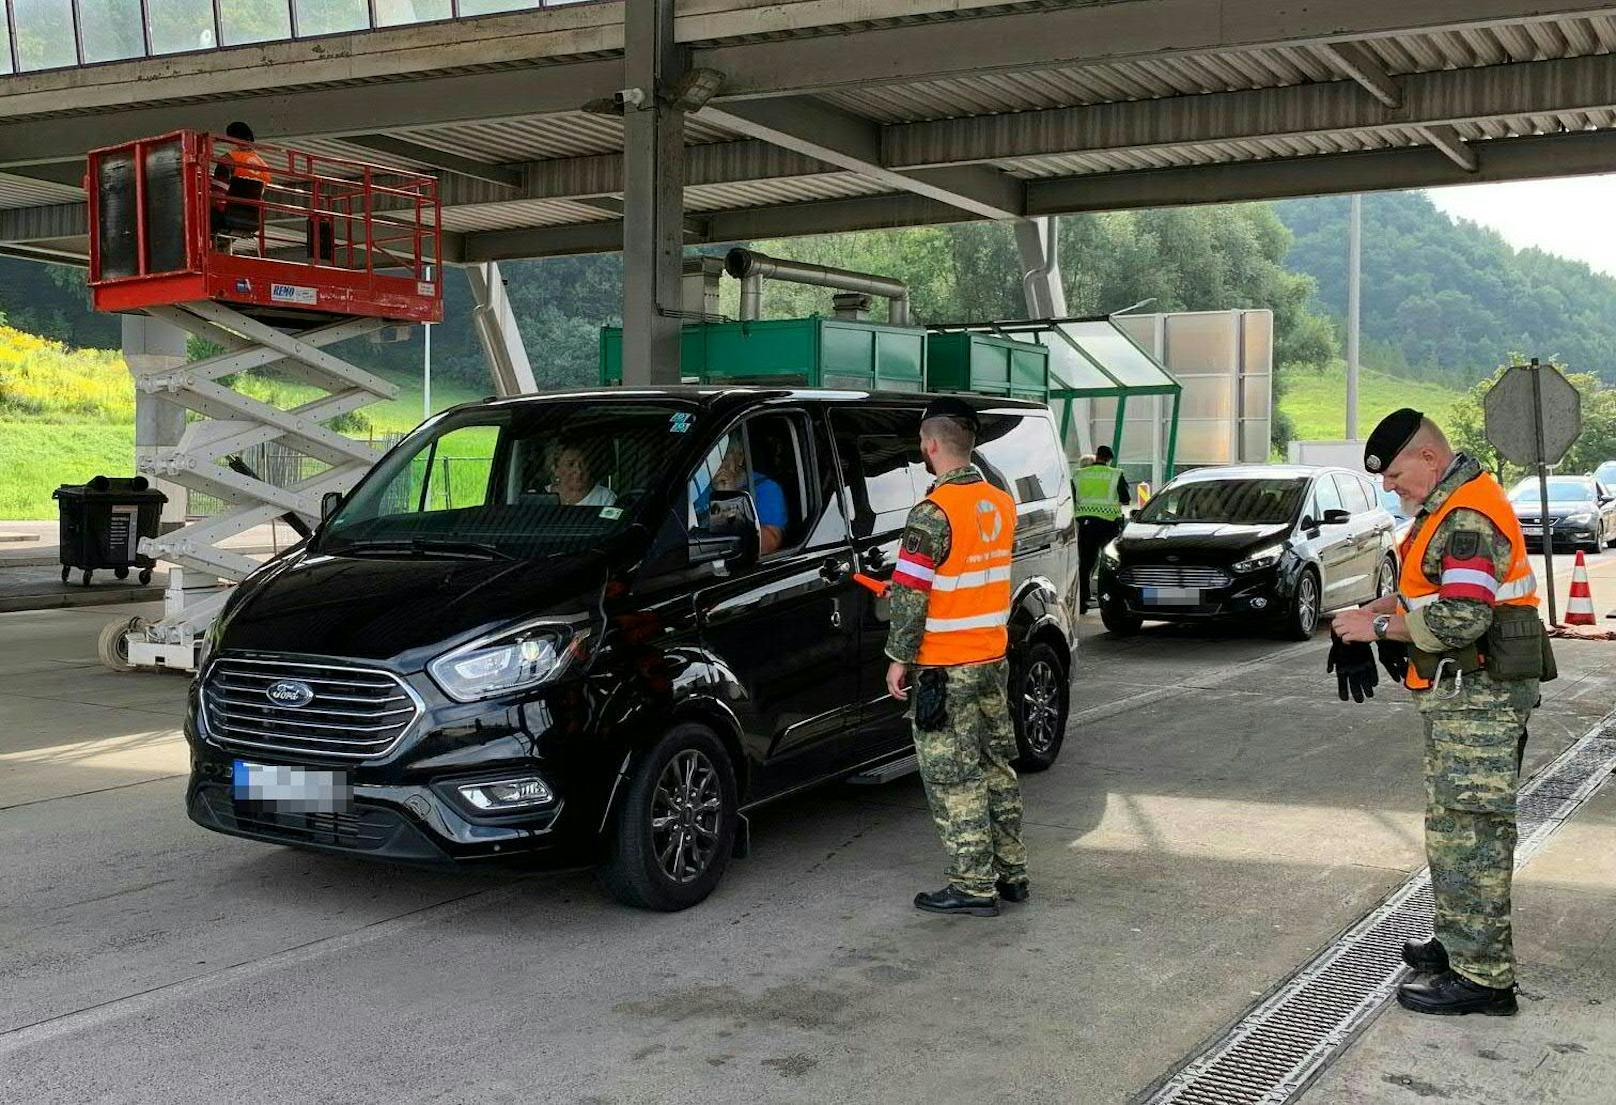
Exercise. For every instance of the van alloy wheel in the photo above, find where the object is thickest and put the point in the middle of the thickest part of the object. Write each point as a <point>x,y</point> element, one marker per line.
<point>685,813</point>
<point>1040,706</point>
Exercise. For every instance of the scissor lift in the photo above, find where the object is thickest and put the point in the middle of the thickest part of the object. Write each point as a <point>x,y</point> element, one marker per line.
<point>314,250</point>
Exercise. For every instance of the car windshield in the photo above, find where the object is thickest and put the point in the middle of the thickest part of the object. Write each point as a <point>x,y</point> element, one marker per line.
<point>1266,502</point>
<point>1562,489</point>
<point>518,482</point>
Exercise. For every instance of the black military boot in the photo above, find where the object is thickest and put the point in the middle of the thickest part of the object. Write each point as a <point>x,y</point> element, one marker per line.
<point>1452,994</point>
<point>951,899</point>
<point>1426,955</point>
<point>1013,891</point>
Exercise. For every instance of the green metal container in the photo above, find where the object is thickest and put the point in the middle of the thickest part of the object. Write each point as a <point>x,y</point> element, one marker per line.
<point>807,352</point>
<point>962,361</point>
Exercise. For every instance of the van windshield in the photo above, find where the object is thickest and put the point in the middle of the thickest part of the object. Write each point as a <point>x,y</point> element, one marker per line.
<point>516,482</point>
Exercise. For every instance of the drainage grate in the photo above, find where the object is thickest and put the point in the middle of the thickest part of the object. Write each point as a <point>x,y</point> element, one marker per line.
<point>1282,1044</point>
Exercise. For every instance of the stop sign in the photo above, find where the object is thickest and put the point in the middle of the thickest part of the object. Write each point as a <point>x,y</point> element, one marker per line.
<point>1511,412</point>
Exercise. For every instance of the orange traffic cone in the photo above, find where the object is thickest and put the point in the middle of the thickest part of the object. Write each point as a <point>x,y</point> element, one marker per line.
<point>1580,610</point>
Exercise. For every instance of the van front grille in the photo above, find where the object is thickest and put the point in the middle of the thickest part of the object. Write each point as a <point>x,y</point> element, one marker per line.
<point>302,708</point>
<point>1174,575</point>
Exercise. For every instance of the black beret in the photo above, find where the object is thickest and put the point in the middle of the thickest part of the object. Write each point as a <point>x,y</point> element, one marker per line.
<point>947,406</point>
<point>1393,434</point>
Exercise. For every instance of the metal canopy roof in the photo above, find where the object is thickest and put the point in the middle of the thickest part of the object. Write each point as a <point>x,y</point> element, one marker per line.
<point>915,112</point>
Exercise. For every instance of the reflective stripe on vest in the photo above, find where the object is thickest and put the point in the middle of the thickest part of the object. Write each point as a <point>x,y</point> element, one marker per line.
<point>968,607</point>
<point>1097,492</point>
<point>1519,586</point>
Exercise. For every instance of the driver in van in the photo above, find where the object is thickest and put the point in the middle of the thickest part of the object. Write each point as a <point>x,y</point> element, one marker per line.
<point>573,477</point>
<point>768,496</point>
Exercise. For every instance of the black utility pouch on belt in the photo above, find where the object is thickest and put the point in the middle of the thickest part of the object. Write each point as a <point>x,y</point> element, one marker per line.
<point>931,700</point>
<point>1517,647</point>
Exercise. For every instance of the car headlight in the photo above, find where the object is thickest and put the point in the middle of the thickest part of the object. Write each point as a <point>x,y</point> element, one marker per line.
<point>1265,558</point>
<point>1578,519</point>
<point>1110,555</point>
<point>510,661</point>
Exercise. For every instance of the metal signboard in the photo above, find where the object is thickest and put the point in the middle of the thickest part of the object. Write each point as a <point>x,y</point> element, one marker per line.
<point>1533,414</point>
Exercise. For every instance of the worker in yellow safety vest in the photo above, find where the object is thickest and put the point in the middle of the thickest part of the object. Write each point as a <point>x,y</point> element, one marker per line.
<point>1102,492</point>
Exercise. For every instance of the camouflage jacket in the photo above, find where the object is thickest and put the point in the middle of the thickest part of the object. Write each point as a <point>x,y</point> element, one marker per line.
<point>1464,535</point>
<point>926,534</point>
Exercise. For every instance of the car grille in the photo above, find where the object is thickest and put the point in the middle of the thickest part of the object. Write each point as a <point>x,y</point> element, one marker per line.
<point>367,828</point>
<point>1174,575</point>
<point>355,713</point>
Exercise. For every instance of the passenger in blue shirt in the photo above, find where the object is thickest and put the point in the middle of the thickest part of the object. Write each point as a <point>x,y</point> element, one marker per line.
<point>768,495</point>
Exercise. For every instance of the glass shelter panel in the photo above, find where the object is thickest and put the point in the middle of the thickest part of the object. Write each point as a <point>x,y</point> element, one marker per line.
<point>180,25</point>
<point>44,30</point>
<point>329,17</point>
<point>394,13</point>
<point>249,21</point>
<point>111,30</point>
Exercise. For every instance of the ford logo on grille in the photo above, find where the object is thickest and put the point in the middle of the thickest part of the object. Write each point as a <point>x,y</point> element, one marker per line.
<point>290,692</point>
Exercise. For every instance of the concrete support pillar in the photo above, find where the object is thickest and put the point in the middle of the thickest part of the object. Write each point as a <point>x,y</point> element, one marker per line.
<point>653,197</point>
<point>498,333</point>
<point>151,345</point>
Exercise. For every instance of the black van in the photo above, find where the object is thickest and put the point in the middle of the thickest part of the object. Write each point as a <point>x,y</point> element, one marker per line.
<point>599,626</point>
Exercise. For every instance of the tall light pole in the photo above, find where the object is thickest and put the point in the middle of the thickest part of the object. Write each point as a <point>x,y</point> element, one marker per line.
<point>426,366</point>
<point>1354,273</point>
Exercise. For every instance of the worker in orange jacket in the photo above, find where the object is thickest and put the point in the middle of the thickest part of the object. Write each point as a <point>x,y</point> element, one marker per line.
<point>950,612</point>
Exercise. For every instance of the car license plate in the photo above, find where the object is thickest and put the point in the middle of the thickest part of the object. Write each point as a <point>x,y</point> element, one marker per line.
<point>1532,531</point>
<point>293,789</point>
<point>1172,596</point>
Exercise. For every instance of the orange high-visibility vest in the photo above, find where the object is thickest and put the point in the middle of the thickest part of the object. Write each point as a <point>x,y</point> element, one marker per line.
<point>969,608</point>
<point>1519,585</point>
<point>246,163</point>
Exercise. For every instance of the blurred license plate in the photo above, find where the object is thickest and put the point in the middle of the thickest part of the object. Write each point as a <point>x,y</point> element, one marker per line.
<point>1532,531</point>
<point>294,789</point>
<point>1172,596</point>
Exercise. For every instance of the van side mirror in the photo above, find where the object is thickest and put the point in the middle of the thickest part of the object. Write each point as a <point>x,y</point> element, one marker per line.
<point>329,502</point>
<point>1337,517</point>
<point>731,535</point>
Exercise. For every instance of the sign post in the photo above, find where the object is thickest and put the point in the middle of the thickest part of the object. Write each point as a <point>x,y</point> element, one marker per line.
<point>1533,414</point>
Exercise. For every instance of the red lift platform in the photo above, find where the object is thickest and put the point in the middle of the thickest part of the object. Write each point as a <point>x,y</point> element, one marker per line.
<point>271,254</point>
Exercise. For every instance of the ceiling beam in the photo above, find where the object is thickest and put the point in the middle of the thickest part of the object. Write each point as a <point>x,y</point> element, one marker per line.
<point>826,134</point>
<point>1453,147</point>
<point>504,176</point>
<point>1135,30</point>
<point>1353,59</point>
<point>1334,174</point>
<point>1453,96</point>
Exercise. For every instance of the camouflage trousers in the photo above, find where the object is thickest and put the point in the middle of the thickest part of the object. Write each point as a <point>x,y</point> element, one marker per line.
<point>974,796</point>
<point>1471,776</point>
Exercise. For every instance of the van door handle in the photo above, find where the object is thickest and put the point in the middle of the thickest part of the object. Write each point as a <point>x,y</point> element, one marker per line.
<point>834,569</point>
<point>836,613</point>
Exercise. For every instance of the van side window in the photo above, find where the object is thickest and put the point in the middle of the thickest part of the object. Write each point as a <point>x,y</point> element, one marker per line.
<point>453,473</point>
<point>1018,453</point>
<point>763,455</point>
<point>880,456</point>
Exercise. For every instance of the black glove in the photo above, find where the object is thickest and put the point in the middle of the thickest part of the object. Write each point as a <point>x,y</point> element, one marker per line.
<point>1354,667</point>
<point>1394,658</point>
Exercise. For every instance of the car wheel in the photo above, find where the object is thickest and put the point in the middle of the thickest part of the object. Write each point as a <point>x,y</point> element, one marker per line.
<point>1304,613</point>
<point>1118,622</point>
<point>1386,580</point>
<point>1040,694</point>
<point>676,824</point>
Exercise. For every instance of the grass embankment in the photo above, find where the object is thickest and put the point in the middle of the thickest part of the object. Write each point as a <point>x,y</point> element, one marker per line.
<point>68,414</point>
<point>1317,404</point>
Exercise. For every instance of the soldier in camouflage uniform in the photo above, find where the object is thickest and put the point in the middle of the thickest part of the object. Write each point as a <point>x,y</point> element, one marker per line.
<point>965,755</point>
<point>1475,694</point>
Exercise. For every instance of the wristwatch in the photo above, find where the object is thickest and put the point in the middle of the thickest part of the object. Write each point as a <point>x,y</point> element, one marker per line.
<point>1382,623</point>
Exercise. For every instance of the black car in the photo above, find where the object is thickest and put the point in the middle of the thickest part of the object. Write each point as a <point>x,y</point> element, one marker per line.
<point>601,626</point>
<point>1281,545</point>
<point>1582,513</point>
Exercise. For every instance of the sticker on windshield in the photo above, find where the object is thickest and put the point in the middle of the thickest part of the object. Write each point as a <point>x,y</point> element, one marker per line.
<point>680,423</point>
<point>611,513</point>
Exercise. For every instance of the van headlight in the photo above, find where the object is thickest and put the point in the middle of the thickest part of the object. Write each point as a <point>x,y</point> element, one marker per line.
<point>1110,555</point>
<point>512,660</point>
<point>1265,558</point>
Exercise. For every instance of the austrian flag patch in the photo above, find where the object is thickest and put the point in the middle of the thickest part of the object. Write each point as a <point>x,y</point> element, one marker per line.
<point>1469,578</point>
<point>915,570</point>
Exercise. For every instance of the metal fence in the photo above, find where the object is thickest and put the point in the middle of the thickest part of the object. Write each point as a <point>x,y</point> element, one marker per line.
<point>117,30</point>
